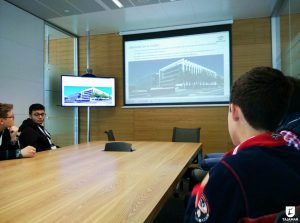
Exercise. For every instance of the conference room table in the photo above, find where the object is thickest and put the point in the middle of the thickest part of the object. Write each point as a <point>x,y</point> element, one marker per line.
<point>84,183</point>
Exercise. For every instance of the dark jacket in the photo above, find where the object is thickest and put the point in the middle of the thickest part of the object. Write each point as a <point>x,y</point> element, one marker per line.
<point>8,149</point>
<point>32,134</point>
<point>258,181</point>
<point>291,123</point>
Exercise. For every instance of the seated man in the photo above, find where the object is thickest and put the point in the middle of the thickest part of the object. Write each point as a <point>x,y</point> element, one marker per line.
<point>9,147</point>
<point>290,126</point>
<point>261,175</point>
<point>32,131</point>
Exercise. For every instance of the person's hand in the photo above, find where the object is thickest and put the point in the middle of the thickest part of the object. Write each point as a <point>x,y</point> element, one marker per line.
<point>13,131</point>
<point>28,152</point>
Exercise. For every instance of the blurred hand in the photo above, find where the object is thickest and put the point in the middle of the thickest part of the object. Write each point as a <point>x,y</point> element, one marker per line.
<point>28,151</point>
<point>13,132</point>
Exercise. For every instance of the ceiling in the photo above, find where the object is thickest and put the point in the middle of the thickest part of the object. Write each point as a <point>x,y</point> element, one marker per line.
<point>103,16</point>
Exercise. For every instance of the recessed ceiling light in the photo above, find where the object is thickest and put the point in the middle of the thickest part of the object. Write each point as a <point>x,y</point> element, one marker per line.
<point>66,10</point>
<point>118,3</point>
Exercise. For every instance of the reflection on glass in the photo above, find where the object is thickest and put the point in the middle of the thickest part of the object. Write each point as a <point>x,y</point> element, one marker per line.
<point>290,37</point>
<point>60,58</point>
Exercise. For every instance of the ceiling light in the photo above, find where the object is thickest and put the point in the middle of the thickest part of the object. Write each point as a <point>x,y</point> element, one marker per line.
<point>118,3</point>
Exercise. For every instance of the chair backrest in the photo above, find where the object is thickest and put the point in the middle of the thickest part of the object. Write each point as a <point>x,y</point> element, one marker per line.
<point>186,134</point>
<point>110,135</point>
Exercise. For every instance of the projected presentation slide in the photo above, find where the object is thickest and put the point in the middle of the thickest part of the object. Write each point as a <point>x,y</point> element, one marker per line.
<point>178,70</point>
<point>87,91</point>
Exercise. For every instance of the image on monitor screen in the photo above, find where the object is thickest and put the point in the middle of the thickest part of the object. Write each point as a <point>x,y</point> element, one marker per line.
<point>87,91</point>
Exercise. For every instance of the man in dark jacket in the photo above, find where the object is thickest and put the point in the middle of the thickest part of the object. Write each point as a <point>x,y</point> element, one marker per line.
<point>290,126</point>
<point>260,177</point>
<point>32,131</point>
<point>9,147</point>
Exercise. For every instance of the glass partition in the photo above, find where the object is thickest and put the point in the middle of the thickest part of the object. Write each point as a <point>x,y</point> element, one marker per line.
<point>289,42</point>
<point>60,59</point>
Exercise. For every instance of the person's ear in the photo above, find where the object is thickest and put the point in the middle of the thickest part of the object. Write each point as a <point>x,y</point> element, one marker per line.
<point>235,112</point>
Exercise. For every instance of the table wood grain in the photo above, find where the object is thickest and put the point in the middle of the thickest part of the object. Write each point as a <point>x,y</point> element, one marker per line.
<point>83,183</point>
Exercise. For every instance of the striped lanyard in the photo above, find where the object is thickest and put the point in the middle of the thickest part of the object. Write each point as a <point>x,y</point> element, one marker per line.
<point>1,138</point>
<point>47,134</point>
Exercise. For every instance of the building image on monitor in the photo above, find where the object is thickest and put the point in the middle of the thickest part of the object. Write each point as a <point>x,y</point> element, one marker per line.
<point>90,95</point>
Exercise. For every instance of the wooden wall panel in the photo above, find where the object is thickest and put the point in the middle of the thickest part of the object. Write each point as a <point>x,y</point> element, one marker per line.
<point>251,46</point>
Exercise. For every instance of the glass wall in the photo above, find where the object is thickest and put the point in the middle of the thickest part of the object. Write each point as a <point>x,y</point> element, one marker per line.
<point>60,59</point>
<point>289,41</point>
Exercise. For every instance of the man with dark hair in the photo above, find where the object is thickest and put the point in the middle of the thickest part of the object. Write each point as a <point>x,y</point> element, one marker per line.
<point>261,175</point>
<point>32,131</point>
<point>9,147</point>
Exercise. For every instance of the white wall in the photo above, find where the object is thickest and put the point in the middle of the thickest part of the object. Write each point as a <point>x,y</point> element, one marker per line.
<point>21,59</point>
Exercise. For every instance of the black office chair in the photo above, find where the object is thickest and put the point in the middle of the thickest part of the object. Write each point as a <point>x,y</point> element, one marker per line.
<point>186,135</point>
<point>214,155</point>
<point>110,135</point>
<point>208,163</point>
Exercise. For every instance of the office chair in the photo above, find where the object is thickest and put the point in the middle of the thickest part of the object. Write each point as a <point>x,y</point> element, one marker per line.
<point>210,160</point>
<point>110,135</point>
<point>214,155</point>
<point>207,163</point>
<point>186,135</point>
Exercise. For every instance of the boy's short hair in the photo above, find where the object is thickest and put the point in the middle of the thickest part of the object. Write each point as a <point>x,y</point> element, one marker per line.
<point>4,109</point>
<point>263,96</point>
<point>35,107</point>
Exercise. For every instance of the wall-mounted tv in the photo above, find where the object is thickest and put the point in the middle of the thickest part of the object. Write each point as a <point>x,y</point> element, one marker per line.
<point>88,91</point>
<point>178,68</point>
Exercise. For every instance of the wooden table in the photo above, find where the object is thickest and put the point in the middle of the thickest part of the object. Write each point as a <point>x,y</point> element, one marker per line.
<point>83,183</point>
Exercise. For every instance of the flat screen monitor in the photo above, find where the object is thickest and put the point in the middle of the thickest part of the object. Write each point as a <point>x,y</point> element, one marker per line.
<point>88,91</point>
<point>178,67</point>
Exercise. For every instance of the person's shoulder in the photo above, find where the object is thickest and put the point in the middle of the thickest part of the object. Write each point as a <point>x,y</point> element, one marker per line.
<point>246,154</point>
<point>27,124</point>
<point>258,158</point>
<point>251,157</point>
<point>291,123</point>
<point>5,133</point>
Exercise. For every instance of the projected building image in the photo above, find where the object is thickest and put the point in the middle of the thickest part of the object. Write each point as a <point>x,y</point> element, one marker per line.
<point>187,75</point>
<point>181,78</point>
